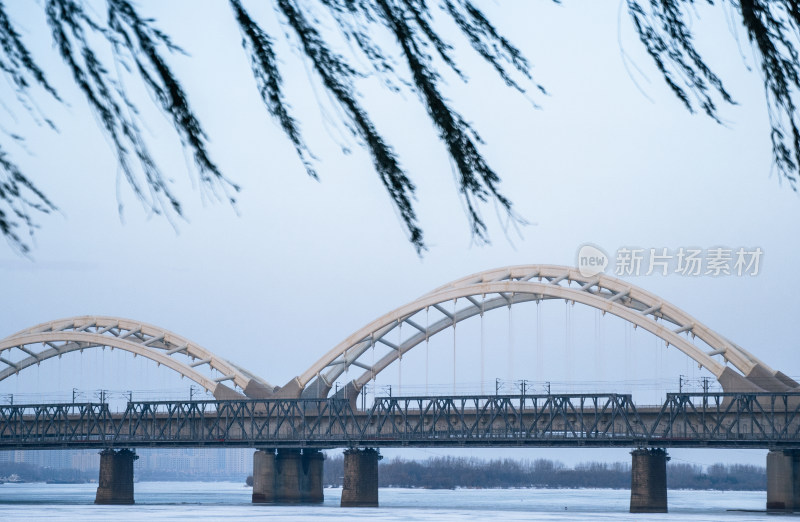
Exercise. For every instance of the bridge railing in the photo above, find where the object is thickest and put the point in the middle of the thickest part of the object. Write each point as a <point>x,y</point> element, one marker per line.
<point>748,420</point>
<point>55,423</point>
<point>729,417</point>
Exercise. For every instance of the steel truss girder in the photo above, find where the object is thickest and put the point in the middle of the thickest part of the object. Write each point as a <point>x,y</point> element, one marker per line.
<point>756,420</point>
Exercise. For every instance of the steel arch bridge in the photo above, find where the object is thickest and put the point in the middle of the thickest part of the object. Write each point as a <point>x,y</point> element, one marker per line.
<point>56,338</point>
<point>736,369</point>
<point>488,290</point>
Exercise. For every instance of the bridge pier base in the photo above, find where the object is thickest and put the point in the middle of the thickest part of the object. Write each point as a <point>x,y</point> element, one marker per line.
<point>115,483</point>
<point>649,481</point>
<point>264,476</point>
<point>311,477</point>
<point>288,477</point>
<point>783,480</point>
<point>360,487</point>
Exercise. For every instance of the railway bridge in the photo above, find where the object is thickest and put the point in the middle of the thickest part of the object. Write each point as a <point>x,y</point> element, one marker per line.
<point>289,424</point>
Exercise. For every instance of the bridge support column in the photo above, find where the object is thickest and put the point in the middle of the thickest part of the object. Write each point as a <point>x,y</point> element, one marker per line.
<point>264,476</point>
<point>360,488</point>
<point>115,484</point>
<point>288,477</point>
<point>783,480</point>
<point>649,481</point>
<point>311,478</point>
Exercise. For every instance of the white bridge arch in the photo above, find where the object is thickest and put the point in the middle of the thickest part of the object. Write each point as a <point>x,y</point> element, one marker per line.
<point>56,338</point>
<point>735,368</point>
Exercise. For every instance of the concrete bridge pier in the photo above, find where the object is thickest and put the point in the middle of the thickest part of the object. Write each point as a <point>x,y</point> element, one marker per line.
<point>264,476</point>
<point>360,488</point>
<point>288,477</point>
<point>783,480</point>
<point>115,484</point>
<point>311,476</point>
<point>649,480</point>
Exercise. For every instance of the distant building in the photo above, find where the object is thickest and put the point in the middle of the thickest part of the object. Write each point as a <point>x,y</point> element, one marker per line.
<point>189,462</point>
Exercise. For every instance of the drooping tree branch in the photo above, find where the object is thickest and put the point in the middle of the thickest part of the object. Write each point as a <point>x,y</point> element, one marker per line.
<point>772,26</point>
<point>337,76</point>
<point>136,44</point>
<point>68,24</point>
<point>140,50</point>
<point>485,39</point>
<point>142,41</point>
<point>18,198</point>
<point>476,179</point>
<point>664,33</point>
<point>131,39</point>
<point>270,83</point>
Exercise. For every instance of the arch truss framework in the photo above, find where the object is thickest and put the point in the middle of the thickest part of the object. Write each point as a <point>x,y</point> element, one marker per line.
<point>222,378</point>
<point>735,368</point>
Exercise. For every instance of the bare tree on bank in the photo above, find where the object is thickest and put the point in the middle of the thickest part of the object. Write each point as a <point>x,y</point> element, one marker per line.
<point>94,48</point>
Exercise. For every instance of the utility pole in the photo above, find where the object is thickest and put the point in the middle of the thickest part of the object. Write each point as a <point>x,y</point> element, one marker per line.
<point>547,387</point>
<point>497,385</point>
<point>74,391</point>
<point>681,380</point>
<point>364,391</point>
<point>705,385</point>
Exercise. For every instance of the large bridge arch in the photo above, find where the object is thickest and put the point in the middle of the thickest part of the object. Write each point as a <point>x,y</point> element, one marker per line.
<point>735,368</point>
<point>56,338</point>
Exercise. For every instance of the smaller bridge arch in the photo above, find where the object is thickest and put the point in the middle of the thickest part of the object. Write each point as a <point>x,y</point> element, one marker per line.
<point>735,368</point>
<point>55,338</point>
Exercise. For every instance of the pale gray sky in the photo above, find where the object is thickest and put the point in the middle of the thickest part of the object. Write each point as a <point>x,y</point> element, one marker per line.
<point>612,158</point>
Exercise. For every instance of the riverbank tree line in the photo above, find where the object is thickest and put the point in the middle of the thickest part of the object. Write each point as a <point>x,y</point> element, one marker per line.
<point>453,472</point>
<point>30,473</point>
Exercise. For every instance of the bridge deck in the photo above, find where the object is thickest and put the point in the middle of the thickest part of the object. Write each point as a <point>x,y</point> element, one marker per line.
<point>592,420</point>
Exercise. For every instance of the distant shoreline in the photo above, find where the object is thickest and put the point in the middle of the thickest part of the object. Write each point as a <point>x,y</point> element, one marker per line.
<point>333,486</point>
<point>449,473</point>
<point>473,473</point>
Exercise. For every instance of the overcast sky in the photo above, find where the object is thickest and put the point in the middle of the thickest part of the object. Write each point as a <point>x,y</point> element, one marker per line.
<point>611,158</point>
